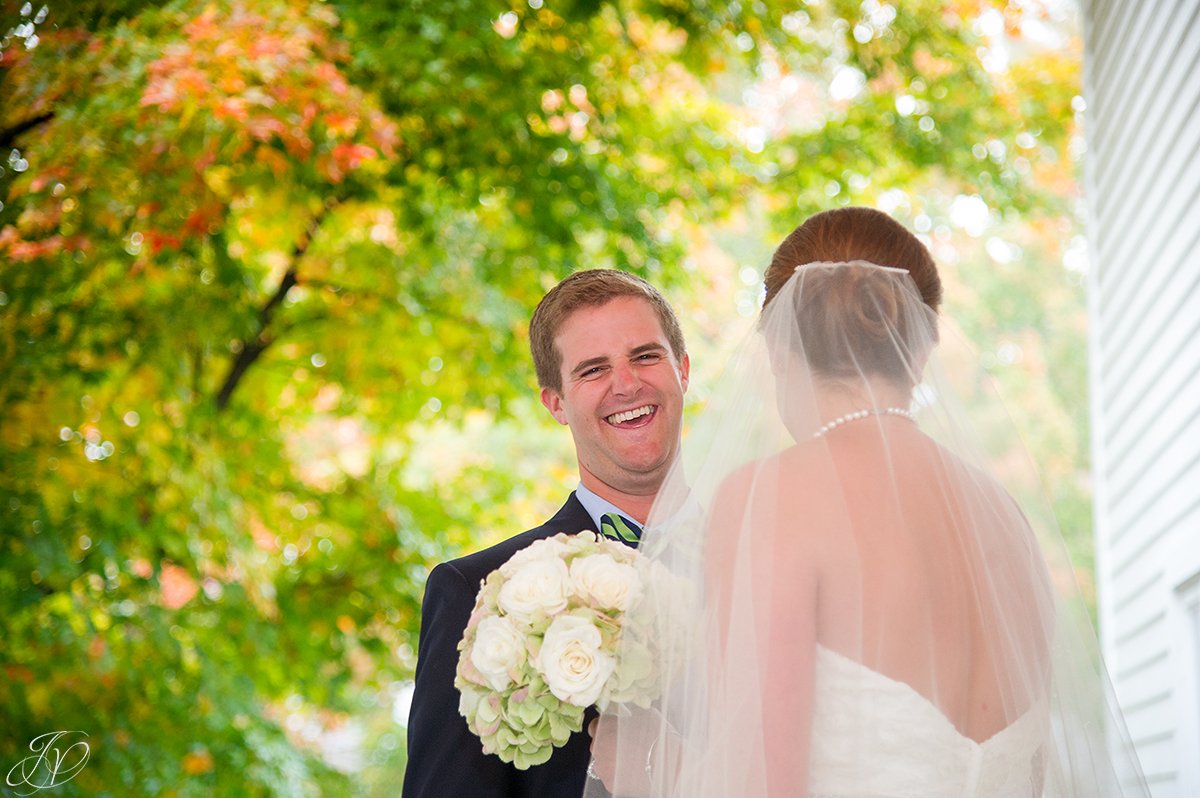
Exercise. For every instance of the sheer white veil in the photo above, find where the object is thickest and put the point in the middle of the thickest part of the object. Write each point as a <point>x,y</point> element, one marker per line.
<point>845,593</point>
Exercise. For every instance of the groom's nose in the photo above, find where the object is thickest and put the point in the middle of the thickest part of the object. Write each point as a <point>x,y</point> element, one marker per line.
<point>625,379</point>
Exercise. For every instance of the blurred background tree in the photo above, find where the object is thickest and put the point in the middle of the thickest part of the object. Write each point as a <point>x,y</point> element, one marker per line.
<point>266,268</point>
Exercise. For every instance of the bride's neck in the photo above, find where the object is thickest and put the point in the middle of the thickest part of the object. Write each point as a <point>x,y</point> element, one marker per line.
<point>836,398</point>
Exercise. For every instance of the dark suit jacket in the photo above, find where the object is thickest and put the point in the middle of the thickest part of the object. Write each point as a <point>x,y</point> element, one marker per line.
<point>445,760</point>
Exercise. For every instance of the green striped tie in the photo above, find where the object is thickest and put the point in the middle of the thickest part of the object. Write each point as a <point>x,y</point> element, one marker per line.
<point>621,528</point>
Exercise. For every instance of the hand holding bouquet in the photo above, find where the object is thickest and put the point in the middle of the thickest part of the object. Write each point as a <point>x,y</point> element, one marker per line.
<point>540,646</point>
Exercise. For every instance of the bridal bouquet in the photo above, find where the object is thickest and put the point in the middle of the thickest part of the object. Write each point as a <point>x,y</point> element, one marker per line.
<point>540,646</point>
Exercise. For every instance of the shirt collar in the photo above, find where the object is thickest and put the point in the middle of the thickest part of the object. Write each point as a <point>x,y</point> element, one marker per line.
<point>597,506</point>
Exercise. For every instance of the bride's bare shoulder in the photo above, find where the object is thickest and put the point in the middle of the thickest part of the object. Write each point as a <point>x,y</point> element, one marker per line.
<point>776,491</point>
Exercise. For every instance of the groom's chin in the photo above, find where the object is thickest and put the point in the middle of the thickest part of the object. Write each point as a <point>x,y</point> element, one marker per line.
<point>645,463</point>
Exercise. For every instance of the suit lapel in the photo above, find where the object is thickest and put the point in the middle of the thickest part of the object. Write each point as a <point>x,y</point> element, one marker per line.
<point>570,518</point>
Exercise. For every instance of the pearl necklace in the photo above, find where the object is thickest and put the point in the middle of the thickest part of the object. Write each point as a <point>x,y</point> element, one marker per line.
<point>857,414</point>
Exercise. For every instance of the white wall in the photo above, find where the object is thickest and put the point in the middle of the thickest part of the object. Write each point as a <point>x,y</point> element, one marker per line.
<point>1142,78</point>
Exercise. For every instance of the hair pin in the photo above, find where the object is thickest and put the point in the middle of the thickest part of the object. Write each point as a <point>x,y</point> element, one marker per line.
<point>851,263</point>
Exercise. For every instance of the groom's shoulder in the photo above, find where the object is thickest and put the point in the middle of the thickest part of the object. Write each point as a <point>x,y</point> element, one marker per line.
<point>570,518</point>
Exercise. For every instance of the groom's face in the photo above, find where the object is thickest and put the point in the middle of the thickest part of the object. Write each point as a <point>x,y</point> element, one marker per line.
<point>622,396</point>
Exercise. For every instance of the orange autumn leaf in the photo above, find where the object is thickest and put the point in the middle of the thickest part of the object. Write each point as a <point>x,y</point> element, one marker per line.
<point>350,156</point>
<point>18,673</point>
<point>157,241</point>
<point>196,763</point>
<point>272,158</point>
<point>263,537</point>
<point>176,586</point>
<point>341,124</point>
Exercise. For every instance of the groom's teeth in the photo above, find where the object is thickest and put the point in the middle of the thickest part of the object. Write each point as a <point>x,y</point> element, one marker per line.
<point>629,415</point>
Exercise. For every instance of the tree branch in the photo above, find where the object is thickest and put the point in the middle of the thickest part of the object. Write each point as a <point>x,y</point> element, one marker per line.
<point>8,136</point>
<point>253,348</point>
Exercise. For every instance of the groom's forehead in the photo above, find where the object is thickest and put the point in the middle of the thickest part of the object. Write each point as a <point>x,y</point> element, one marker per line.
<point>600,326</point>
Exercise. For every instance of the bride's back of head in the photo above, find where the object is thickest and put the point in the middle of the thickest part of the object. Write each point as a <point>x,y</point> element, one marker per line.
<point>865,305</point>
<point>849,234</point>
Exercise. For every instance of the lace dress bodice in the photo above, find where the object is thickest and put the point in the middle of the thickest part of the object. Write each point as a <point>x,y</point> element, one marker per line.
<point>902,746</point>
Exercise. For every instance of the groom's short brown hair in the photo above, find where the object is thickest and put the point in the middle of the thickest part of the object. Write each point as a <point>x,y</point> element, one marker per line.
<point>585,289</point>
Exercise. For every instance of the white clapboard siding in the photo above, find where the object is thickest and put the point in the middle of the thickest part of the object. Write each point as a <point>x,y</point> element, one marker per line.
<point>1142,79</point>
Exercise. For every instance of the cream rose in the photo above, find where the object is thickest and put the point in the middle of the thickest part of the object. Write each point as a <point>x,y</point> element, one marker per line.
<point>544,549</point>
<point>499,649</point>
<point>540,584</point>
<point>605,581</point>
<point>572,661</point>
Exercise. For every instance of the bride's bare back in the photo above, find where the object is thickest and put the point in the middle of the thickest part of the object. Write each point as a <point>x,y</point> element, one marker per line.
<point>931,562</point>
<point>900,557</point>
<point>923,568</point>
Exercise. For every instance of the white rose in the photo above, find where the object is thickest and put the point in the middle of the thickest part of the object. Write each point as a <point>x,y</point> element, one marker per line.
<point>499,648</point>
<point>544,549</point>
<point>541,584</point>
<point>610,584</point>
<point>572,662</point>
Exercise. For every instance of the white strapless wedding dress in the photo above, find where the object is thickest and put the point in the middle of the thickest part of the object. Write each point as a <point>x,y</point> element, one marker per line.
<point>902,746</point>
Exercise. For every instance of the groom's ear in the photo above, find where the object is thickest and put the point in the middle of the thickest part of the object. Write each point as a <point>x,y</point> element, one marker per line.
<point>552,401</point>
<point>685,369</point>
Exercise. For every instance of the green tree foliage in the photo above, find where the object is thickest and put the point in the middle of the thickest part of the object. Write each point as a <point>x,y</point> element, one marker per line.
<point>265,273</point>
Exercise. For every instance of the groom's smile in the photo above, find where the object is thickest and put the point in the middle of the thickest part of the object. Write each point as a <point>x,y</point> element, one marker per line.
<point>622,396</point>
<point>628,419</point>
